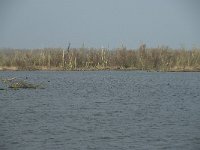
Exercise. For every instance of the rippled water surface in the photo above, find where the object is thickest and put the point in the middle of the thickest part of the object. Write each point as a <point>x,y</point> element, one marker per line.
<point>106,110</point>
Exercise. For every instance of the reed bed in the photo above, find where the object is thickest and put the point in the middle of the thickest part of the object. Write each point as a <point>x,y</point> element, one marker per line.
<point>143,58</point>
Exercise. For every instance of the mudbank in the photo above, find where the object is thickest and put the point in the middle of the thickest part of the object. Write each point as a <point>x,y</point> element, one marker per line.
<point>17,84</point>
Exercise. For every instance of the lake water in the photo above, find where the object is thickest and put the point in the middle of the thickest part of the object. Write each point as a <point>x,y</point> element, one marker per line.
<point>103,110</point>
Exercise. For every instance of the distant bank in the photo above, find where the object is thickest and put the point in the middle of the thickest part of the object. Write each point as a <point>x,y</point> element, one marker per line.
<point>81,59</point>
<point>187,69</point>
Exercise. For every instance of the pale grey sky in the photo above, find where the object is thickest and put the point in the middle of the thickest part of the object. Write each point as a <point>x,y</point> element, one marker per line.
<point>52,23</point>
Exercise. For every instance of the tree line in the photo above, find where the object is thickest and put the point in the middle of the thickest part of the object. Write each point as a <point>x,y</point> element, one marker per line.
<point>143,58</point>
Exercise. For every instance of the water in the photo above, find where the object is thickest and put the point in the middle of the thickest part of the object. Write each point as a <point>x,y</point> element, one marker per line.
<point>106,110</point>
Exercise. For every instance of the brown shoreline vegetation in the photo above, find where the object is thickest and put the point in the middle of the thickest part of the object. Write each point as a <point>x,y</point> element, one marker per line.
<point>81,59</point>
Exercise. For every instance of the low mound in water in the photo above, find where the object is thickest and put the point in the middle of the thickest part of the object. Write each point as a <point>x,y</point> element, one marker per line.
<point>23,84</point>
<point>16,84</point>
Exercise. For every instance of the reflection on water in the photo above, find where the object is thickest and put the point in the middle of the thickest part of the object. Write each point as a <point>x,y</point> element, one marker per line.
<point>102,110</point>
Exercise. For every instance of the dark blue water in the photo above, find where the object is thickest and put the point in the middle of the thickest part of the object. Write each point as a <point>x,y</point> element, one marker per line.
<point>106,110</point>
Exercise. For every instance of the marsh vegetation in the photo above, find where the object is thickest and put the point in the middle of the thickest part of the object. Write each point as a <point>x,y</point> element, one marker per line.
<point>143,58</point>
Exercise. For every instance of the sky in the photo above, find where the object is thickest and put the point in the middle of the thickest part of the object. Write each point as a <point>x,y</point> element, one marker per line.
<point>99,23</point>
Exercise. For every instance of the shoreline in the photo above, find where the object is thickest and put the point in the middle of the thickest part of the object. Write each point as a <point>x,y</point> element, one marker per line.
<point>161,59</point>
<point>13,68</point>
